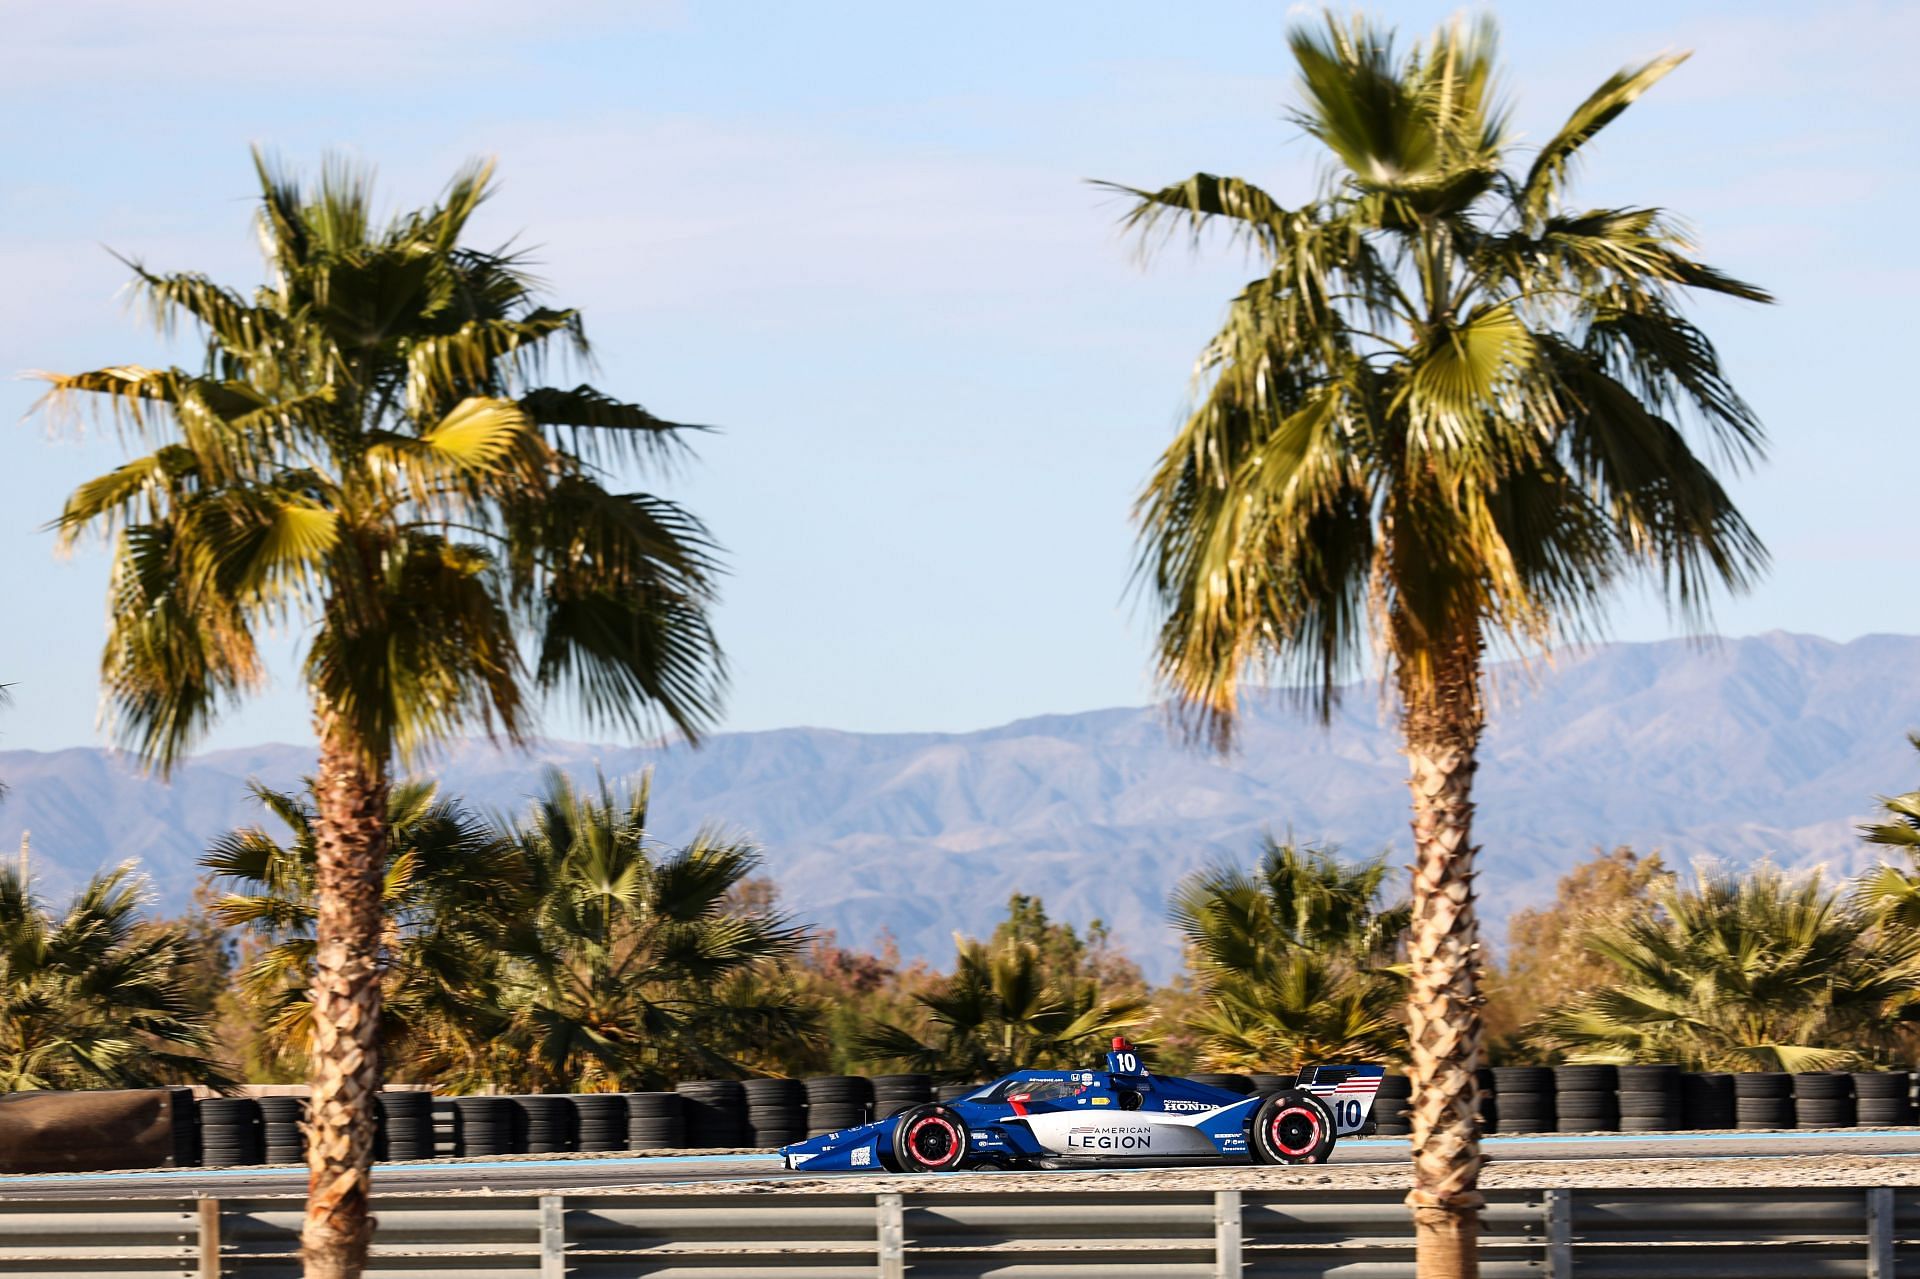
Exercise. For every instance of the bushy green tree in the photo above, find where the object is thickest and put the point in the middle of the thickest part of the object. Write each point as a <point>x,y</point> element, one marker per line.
<point>630,964</point>
<point>1026,999</point>
<point>1065,954</point>
<point>1547,957</point>
<point>852,989</point>
<point>1742,972</point>
<point>95,997</point>
<point>1893,892</point>
<point>1295,962</point>
<point>448,878</point>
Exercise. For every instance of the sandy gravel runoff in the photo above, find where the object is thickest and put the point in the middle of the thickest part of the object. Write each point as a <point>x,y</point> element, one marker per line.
<point>1506,1174</point>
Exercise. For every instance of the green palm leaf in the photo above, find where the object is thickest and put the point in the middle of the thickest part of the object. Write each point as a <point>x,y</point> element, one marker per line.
<point>1548,173</point>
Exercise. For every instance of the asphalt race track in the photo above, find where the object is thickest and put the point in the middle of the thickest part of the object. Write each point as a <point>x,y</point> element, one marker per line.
<point>524,1174</point>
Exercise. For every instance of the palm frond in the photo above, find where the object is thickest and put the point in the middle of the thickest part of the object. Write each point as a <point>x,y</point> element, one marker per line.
<point>1548,174</point>
<point>360,460</point>
<point>1449,413</point>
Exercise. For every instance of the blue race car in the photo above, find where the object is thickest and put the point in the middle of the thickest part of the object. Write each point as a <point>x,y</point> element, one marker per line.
<point>1122,1116</point>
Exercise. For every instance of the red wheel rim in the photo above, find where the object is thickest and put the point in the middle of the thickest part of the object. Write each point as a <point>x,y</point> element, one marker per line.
<point>937,1132</point>
<point>1289,1138</point>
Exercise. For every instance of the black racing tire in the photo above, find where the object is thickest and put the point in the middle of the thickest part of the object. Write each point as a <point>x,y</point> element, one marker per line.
<point>1823,1085</point>
<point>930,1137</point>
<point>1757,1085</point>
<point>1868,1085</point>
<point>1292,1127</point>
<point>1586,1077</point>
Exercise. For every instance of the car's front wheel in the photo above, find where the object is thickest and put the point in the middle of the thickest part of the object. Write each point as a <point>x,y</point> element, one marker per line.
<point>930,1138</point>
<point>1292,1127</point>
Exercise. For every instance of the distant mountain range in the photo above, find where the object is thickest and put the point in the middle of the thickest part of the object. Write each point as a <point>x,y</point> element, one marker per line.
<point>1739,749</point>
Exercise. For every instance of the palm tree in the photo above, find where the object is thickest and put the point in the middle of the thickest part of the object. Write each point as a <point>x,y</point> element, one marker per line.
<point>628,966</point>
<point>1450,410</point>
<point>94,998</point>
<point>448,888</point>
<point>1001,1010</point>
<point>1295,962</point>
<point>1750,972</point>
<point>366,457</point>
<point>1893,893</point>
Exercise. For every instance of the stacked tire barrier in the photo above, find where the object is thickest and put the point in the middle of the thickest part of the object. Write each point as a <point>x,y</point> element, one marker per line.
<point>895,1093</point>
<point>542,1124</point>
<point>280,1119</point>
<point>716,1112</point>
<point>835,1102</point>
<point>1883,1099</point>
<point>1586,1098</point>
<point>405,1125</point>
<point>186,1127</point>
<point>1706,1100</point>
<point>1526,1098</point>
<point>1650,1098</point>
<point>230,1132</point>
<point>484,1125</point>
<point>602,1121</point>
<point>1763,1100</point>
<point>764,1114</point>
<point>656,1121</point>
<point>1823,1099</point>
<point>776,1112</point>
<point>1390,1114</point>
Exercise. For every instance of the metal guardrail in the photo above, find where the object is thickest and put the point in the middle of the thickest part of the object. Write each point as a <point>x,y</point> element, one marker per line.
<point>1228,1234</point>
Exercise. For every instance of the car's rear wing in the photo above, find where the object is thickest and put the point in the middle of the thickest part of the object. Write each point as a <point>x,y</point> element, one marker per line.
<point>1348,1091</point>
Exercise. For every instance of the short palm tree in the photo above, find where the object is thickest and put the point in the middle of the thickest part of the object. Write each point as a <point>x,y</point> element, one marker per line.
<point>1891,891</point>
<point>1295,962</point>
<point>1003,1009</point>
<point>1747,972</point>
<point>1451,409</point>
<point>627,967</point>
<point>366,456</point>
<point>94,998</point>
<point>449,885</point>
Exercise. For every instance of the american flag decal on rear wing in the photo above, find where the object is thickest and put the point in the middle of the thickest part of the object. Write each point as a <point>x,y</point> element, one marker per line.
<point>1348,1092</point>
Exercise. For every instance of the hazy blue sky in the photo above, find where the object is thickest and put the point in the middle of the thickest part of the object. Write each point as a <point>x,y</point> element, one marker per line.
<point>856,236</point>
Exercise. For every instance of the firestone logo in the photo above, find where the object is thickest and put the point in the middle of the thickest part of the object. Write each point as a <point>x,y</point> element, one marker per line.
<point>1109,1139</point>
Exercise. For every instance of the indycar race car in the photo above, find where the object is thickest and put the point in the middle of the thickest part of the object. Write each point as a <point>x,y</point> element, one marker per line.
<point>1122,1116</point>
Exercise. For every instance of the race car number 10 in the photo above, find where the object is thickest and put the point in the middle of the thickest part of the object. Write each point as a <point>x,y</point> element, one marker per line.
<point>1126,1064</point>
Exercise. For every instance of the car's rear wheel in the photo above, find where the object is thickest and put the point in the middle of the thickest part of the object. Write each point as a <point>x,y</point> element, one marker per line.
<point>930,1138</point>
<point>1292,1127</point>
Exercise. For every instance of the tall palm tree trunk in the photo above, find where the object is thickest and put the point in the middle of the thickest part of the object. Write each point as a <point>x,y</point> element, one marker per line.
<point>1442,721</point>
<point>350,832</point>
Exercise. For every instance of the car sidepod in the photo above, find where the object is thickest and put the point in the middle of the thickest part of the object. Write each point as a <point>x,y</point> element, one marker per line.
<point>1121,1136</point>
